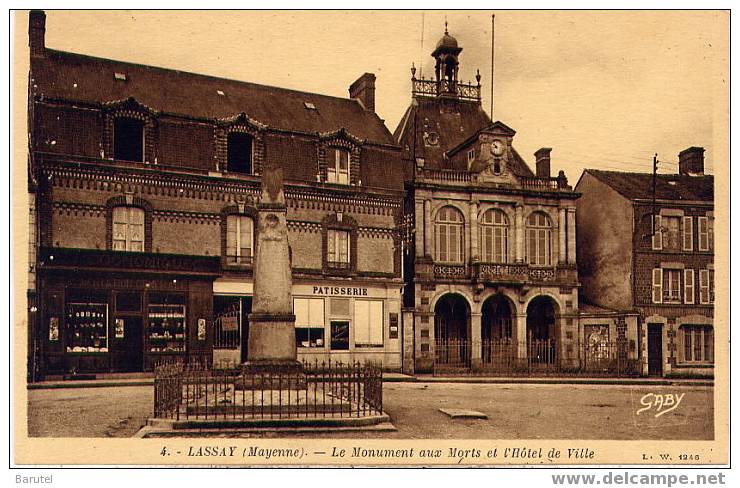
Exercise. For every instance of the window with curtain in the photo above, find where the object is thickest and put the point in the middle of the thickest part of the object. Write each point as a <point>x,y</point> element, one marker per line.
<point>449,230</point>
<point>239,239</point>
<point>337,170</point>
<point>494,235</point>
<point>128,229</point>
<point>309,322</point>
<point>338,249</point>
<point>698,343</point>
<point>671,229</point>
<point>671,286</point>
<point>539,235</point>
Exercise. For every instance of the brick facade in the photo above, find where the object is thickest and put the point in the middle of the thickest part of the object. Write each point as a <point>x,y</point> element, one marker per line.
<point>187,193</point>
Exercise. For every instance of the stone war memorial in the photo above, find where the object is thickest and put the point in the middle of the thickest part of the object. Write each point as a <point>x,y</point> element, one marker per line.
<point>272,389</point>
<point>272,333</point>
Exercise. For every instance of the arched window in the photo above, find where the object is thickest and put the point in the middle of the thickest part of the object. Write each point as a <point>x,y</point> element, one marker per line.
<point>239,239</point>
<point>539,234</point>
<point>494,236</point>
<point>128,229</point>
<point>449,235</point>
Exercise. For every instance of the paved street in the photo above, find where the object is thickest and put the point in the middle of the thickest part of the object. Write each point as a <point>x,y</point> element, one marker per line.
<point>514,411</point>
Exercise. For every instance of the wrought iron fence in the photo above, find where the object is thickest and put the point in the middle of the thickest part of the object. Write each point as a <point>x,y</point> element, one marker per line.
<point>318,389</point>
<point>506,357</point>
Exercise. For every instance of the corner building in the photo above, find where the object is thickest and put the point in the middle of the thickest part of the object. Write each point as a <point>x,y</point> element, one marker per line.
<point>491,277</point>
<point>144,183</point>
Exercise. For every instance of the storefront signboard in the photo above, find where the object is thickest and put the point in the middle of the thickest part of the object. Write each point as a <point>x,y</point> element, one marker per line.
<point>230,323</point>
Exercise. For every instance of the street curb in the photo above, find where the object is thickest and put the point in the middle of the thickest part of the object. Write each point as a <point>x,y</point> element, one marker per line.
<point>97,384</point>
<point>557,381</point>
<point>199,428</point>
<point>416,379</point>
<point>148,432</point>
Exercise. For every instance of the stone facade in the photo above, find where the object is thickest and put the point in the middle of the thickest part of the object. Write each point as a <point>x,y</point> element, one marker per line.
<point>494,254</point>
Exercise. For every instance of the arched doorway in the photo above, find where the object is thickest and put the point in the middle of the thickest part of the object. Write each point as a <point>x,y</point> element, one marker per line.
<point>451,319</point>
<point>541,330</point>
<point>496,330</point>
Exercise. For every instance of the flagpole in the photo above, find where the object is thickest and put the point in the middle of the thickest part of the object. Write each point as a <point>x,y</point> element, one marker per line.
<point>493,26</point>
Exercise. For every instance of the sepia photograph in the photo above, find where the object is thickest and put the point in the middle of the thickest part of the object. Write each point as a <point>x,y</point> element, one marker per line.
<point>342,237</point>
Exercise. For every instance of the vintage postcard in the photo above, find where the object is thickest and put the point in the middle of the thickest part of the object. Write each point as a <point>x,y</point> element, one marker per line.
<point>371,238</point>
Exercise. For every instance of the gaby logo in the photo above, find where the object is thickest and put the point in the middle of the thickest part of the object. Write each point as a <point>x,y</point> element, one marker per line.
<point>662,403</point>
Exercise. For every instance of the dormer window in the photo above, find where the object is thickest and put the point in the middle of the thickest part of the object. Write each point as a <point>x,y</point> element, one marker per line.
<point>338,167</point>
<point>471,157</point>
<point>239,153</point>
<point>128,139</point>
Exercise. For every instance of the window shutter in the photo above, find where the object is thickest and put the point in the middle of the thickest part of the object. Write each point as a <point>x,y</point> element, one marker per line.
<point>658,234</point>
<point>688,286</point>
<point>688,234</point>
<point>657,285</point>
<point>703,286</point>
<point>703,234</point>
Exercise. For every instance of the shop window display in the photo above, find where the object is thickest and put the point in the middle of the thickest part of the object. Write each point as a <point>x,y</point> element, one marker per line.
<point>166,325</point>
<point>87,327</point>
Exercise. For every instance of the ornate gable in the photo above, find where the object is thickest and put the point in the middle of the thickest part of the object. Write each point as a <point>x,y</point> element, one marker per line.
<point>240,123</point>
<point>490,154</point>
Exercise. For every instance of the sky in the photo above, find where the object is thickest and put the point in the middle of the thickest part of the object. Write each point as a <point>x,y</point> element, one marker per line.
<point>605,90</point>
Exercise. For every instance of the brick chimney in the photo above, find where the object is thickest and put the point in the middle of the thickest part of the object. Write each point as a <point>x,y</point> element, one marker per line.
<point>37,32</point>
<point>542,158</point>
<point>363,89</point>
<point>691,161</point>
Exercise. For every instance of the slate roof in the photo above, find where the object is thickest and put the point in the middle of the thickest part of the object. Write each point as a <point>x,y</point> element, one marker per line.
<point>195,95</point>
<point>454,122</point>
<point>668,187</point>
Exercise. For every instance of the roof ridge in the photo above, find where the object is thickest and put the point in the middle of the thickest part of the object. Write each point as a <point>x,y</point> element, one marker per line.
<point>636,173</point>
<point>202,75</point>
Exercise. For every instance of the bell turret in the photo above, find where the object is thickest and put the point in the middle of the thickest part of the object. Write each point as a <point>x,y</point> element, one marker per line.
<point>446,68</point>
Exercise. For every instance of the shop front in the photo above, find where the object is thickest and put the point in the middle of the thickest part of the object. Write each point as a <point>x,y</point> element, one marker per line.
<point>334,321</point>
<point>97,318</point>
<point>348,322</point>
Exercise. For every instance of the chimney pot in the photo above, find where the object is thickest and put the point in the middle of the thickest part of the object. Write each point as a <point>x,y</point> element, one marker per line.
<point>691,161</point>
<point>542,162</point>
<point>37,32</point>
<point>363,89</point>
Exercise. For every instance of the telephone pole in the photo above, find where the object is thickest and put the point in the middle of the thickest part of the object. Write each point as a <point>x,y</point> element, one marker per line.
<point>655,179</point>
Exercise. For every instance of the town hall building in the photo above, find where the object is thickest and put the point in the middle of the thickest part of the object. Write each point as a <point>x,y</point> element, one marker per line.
<point>492,282</point>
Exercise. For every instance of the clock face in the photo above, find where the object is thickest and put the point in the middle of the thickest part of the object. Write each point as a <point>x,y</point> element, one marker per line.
<point>497,147</point>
